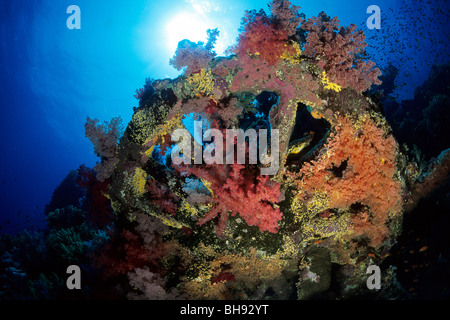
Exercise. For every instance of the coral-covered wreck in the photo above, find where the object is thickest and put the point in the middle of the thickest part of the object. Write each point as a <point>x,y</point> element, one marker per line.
<point>333,208</point>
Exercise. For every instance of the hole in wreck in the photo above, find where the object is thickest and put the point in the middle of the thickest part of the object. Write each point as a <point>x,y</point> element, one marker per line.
<point>356,207</point>
<point>307,136</point>
<point>260,117</point>
<point>338,171</point>
<point>265,101</point>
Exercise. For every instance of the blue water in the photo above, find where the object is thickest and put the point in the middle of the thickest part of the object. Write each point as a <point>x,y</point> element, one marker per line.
<point>52,78</point>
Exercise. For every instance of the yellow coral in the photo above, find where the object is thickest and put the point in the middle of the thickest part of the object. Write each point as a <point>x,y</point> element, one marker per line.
<point>201,83</point>
<point>317,204</point>
<point>300,144</point>
<point>292,58</point>
<point>335,227</point>
<point>144,125</point>
<point>139,180</point>
<point>161,132</point>
<point>298,208</point>
<point>290,248</point>
<point>329,85</point>
<point>249,270</point>
<point>207,184</point>
<point>359,123</point>
<point>187,207</point>
<point>171,222</point>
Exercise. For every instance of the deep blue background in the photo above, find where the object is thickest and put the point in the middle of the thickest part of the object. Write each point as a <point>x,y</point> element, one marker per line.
<point>51,77</point>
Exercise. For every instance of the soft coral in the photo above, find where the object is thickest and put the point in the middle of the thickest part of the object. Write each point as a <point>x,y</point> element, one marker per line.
<point>358,170</point>
<point>267,35</point>
<point>341,52</point>
<point>238,190</point>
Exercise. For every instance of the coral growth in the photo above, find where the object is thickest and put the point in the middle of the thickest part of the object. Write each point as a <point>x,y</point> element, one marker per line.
<point>339,189</point>
<point>151,228</point>
<point>195,56</point>
<point>358,169</point>
<point>437,174</point>
<point>104,137</point>
<point>267,36</point>
<point>340,52</point>
<point>237,191</point>
<point>96,203</point>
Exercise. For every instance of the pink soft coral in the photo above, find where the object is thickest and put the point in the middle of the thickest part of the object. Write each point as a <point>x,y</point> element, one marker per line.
<point>267,35</point>
<point>261,37</point>
<point>194,56</point>
<point>340,50</point>
<point>105,138</point>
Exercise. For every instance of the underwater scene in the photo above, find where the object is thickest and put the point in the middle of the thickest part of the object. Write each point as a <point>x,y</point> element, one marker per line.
<point>225,150</point>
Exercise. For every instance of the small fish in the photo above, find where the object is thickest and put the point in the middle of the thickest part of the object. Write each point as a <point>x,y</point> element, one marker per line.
<point>424,248</point>
<point>385,255</point>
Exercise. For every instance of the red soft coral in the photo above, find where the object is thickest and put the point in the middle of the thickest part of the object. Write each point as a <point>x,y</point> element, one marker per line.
<point>237,190</point>
<point>162,196</point>
<point>285,14</point>
<point>96,203</point>
<point>126,252</point>
<point>123,253</point>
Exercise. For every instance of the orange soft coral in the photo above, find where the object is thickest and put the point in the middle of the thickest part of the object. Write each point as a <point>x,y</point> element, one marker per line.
<point>357,171</point>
